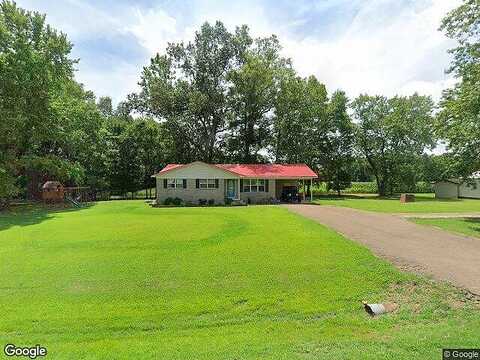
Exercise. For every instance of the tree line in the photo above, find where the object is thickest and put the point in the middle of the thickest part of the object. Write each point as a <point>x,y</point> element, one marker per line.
<point>222,97</point>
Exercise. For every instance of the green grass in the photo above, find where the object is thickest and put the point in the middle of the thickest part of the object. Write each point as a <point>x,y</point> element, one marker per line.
<point>466,226</point>
<point>424,203</point>
<point>121,280</point>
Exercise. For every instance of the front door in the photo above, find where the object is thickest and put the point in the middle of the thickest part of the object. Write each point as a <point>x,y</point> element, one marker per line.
<point>232,189</point>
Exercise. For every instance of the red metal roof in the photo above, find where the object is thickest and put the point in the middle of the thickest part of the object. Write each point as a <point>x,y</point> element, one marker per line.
<point>259,170</point>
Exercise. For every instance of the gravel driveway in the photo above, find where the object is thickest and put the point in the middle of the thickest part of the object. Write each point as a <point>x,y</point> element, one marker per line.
<point>412,247</point>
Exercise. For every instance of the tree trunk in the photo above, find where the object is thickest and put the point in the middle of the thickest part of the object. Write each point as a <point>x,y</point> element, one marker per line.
<point>380,186</point>
<point>382,191</point>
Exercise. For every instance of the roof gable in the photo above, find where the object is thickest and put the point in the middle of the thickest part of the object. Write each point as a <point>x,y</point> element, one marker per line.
<point>195,170</point>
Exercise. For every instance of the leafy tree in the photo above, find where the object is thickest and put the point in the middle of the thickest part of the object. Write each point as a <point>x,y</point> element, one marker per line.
<point>435,167</point>
<point>187,88</point>
<point>104,104</point>
<point>300,116</point>
<point>152,146</point>
<point>252,98</point>
<point>392,134</point>
<point>337,155</point>
<point>50,124</point>
<point>459,119</point>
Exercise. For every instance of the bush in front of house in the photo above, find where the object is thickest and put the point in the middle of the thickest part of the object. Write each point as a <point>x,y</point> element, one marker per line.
<point>177,201</point>
<point>211,202</point>
<point>173,201</point>
<point>202,202</point>
<point>168,201</point>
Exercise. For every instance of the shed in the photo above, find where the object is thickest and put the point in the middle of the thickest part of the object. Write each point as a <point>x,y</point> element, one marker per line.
<point>454,189</point>
<point>52,191</point>
<point>447,189</point>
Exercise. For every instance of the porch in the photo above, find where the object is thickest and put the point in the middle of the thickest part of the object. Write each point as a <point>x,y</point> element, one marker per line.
<point>265,190</point>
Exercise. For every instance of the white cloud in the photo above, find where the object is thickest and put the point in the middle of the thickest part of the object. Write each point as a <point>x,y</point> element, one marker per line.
<point>389,47</point>
<point>381,53</point>
<point>153,28</point>
<point>117,82</point>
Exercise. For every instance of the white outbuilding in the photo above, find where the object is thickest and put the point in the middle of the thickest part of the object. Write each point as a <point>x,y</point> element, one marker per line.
<point>454,189</point>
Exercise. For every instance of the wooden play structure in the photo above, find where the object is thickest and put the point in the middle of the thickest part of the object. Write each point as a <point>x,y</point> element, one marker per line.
<point>53,192</point>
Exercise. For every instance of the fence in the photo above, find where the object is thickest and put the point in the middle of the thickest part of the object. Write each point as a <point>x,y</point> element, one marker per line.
<point>112,194</point>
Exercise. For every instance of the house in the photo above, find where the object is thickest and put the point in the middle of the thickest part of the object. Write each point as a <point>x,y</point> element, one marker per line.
<point>252,183</point>
<point>454,189</point>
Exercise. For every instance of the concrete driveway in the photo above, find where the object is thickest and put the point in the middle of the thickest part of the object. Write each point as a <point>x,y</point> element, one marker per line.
<point>412,247</point>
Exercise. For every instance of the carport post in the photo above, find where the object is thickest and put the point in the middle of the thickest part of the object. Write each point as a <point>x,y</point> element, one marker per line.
<point>311,190</point>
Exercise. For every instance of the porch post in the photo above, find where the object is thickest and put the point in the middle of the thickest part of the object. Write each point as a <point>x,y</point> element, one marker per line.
<point>238,189</point>
<point>311,190</point>
<point>303,181</point>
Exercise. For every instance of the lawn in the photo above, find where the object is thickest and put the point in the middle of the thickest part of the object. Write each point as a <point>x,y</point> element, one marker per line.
<point>424,203</point>
<point>466,226</point>
<point>121,280</point>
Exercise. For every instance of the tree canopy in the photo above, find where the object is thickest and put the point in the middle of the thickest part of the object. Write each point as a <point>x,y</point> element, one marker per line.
<point>222,97</point>
<point>459,119</point>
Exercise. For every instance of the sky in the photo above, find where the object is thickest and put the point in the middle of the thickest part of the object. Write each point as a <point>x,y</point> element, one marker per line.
<point>377,47</point>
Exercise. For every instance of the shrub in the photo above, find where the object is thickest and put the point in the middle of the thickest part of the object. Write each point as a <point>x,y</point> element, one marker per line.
<point>228,201</point>
<point>424,187</point>
<point>362,188</point>
<point>202,202</point>
<point>177,201</point>
<point>168,201</point>
<point>211,202</point>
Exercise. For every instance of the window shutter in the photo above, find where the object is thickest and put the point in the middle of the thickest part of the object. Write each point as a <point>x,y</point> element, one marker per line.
<point>266,185</point>
<point>164,183</point>
<point>184,183</point>
<point>197,182</point>
<point>241,185</point>
<point>216,183</point>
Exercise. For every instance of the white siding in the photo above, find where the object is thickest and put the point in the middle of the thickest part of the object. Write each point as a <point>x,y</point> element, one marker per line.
<point>191,194</point>
<point>468,190</point>
<point>260,197</point>
<point>446,190</point>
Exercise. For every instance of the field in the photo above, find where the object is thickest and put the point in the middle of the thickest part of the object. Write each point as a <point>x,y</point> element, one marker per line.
<point>121,280</point>
<point>466,226</point>
<point>424,203</point>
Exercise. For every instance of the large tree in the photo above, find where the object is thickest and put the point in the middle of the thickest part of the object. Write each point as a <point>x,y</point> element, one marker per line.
<point>40,104</point>
<point>252,98</point>
<point>459,119</point>
<point>300,118</point>
<point>187,87</point>
<point>392,134</point>
<point>336,154</point>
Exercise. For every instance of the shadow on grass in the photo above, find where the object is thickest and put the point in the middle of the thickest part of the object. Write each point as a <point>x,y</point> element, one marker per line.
<point>475,224</point>
<point>30,214</point>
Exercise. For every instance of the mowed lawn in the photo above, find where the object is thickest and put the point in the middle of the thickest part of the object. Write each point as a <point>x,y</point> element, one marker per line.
<point>121,280</point>
<point>466,226</point>
<point>424,203</point>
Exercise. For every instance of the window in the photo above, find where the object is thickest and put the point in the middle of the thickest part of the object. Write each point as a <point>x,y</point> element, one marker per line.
<point>207,183</point>
<point>174,183</point>
<point>254,185</point>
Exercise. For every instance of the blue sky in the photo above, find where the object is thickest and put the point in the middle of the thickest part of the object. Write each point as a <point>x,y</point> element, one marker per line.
<point>361,46</point>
